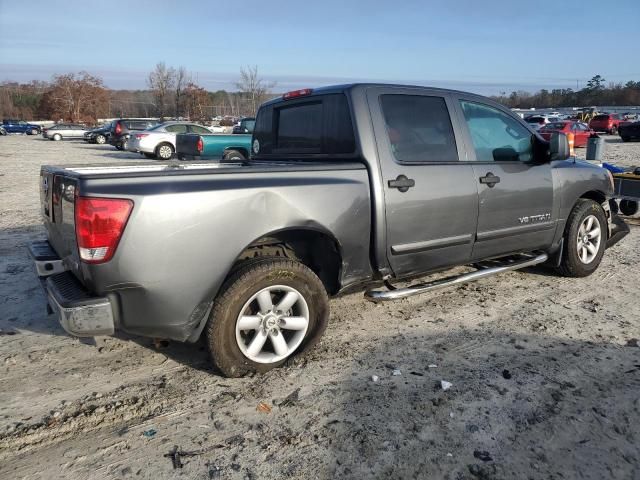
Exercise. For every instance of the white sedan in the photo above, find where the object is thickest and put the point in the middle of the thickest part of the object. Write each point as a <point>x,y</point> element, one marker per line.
<point>160,141</point>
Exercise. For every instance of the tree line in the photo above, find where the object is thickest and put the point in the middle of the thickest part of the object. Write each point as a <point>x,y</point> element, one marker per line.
<point>172,93</point>
<point>595,93</point>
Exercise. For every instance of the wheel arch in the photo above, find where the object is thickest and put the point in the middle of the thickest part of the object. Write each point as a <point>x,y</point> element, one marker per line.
<point>243,150</point>
<point>315,247</point>
<point>595,195</point>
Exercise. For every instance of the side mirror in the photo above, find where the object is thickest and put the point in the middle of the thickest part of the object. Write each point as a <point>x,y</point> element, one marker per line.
<point>559,146</point>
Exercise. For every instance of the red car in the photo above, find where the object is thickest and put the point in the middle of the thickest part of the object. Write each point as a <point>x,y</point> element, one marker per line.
<point>606,122</point>
<point>580,131</point>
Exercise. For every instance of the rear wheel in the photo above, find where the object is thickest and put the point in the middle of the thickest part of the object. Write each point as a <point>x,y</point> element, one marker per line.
<point>164,151</point>
<point>34,131</point>
<point>234,156</point>
<point>585,239</point>
<point>266,312</point>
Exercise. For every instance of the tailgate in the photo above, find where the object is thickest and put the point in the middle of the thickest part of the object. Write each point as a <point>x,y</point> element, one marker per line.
<point>57,197</point>
<point>187,144</point>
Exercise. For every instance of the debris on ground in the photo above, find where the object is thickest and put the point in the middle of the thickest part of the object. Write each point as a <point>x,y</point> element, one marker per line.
<point>482,455</point>
<point>633,342</point>
<point>263,407</point>
<point>433,365</point>
<point>445,385</point>
<point>290,399</point>
<point>396,372</point>
<point>506,374</point>
<point>149,433</point>
<point>375,378</point>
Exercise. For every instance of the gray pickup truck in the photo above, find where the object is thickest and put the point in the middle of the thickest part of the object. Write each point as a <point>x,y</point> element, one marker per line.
<point>348,188</point>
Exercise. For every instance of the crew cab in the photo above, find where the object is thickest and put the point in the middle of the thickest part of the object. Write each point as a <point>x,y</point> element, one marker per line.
<point>20,126</point>
<point>350,187</point>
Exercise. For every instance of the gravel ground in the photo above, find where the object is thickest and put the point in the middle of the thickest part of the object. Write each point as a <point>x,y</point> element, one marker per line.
<point>545,375</point>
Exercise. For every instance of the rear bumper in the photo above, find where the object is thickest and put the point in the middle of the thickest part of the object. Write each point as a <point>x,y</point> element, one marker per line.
<point>80,313</point>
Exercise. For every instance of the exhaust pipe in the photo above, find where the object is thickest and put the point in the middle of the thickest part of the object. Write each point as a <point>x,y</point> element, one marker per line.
<point>386,295</point>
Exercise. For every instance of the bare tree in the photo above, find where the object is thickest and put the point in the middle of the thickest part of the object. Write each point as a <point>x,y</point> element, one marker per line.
<point>75,97</point>
<point>182,80</point>
<point>254,89</point>
<point>162,81</point>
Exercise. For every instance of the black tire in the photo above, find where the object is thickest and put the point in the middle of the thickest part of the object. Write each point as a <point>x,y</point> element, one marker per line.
<point>613,131</point>
<point>164,151</point>
<point>100,139</point>
<point>118,146</point>
<point>244,282</point>
<point>125,144</point>
<point>34,131</point>
<point>628,207</point>
<point>570,264</point>
<point>149,155</point>
<point>233,156</point>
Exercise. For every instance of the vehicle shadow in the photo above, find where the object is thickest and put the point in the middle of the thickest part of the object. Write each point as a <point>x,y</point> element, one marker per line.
<point>519,406</point>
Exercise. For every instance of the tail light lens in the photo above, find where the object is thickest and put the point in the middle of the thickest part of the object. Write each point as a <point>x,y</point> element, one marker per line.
<point>100,223</point>
<point>118,129</point>
<point>200,145</point>
<point>141,135</point>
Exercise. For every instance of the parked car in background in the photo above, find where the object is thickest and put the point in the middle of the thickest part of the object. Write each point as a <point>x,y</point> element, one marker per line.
<point>217,129</point>
<point>19,126</point>
<point>629,130</point>
<point>537,121</point>
<point>160,141</point>
<point>98,135</point>
<point>213,146</point>
<point>606,122</point>
<point>64,130</point>
<point>123,128</point>
<point>245,126</point>
<point>580,131</point>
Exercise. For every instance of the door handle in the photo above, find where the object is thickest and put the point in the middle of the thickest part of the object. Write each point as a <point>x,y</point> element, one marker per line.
<point>402,183</point>
<point>490,180</point>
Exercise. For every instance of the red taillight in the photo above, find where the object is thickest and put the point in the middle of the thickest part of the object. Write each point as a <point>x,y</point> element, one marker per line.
<point>118,128</point>
<point>141,135</point>
<point>100,223</point>
<point>200,145</point>
<point>297,93</point>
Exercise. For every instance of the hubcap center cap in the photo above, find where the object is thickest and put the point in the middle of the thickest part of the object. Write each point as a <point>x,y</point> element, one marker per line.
<point>270,321</point>
<point>585,239</point>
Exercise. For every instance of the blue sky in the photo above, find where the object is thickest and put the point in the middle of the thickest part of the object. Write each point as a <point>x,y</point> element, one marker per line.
<point>483,46</point>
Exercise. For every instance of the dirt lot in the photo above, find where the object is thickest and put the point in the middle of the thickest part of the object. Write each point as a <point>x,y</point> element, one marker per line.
<point>545,373</point>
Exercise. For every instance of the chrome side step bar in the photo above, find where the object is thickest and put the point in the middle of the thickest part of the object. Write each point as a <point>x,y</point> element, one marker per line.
<point>386,295</point>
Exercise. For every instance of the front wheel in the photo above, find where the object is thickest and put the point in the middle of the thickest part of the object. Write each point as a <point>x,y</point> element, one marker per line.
<point>266,311</point>
<point>585,239</point>
<point>57,137</point>
<point>101,139</point>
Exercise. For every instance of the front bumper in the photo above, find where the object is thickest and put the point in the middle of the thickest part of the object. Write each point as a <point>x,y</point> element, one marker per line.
<point>80,313</point>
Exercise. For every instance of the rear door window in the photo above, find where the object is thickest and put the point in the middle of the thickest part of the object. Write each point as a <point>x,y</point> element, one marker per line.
<point>177,129</point>
<point>419,128</point>
<point>319,125</point>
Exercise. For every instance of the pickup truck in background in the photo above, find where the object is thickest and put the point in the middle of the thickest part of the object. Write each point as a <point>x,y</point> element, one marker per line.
<point>19,126</point>
<point>348,188</point>
<point>229,147</point>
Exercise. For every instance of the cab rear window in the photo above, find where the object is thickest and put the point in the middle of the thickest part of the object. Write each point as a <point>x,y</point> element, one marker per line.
<point>316,125</point>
